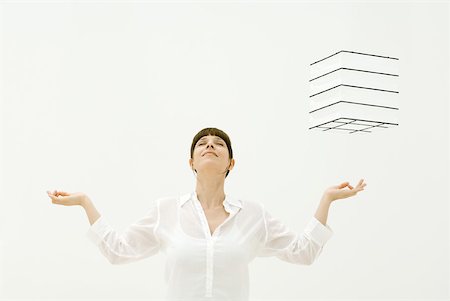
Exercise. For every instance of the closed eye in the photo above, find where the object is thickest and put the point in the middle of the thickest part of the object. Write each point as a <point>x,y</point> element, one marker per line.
<point>219,143</point>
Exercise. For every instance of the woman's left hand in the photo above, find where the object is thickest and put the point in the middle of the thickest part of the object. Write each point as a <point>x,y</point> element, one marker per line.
<point>339,192</point>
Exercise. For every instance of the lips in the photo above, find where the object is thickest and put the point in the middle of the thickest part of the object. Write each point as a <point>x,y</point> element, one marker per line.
<point>210,153</point>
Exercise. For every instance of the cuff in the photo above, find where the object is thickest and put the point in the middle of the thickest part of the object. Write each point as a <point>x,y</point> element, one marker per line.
<point>318,232</point>
<point>98,230</point>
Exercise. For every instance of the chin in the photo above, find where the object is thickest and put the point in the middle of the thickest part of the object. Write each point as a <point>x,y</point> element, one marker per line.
<point>209,171</point>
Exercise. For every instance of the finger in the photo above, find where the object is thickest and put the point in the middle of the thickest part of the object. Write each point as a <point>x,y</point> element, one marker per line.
<point>343,185</point>
<point>361,187</point>
<point>54,199</point>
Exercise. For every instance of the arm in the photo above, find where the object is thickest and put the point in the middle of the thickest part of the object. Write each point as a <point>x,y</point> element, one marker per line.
<point>75,199</point>
<point>334,193</point>
<point>303,248</point>
<point>323,208</point>
<point>91,212</point>
<point>298,248</point>
<point>138,241</point>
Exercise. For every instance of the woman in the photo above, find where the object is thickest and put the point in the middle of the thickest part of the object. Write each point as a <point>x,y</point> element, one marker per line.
<point>208,236</point>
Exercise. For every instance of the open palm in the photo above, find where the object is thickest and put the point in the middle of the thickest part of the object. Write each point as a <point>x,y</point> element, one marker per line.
<point>344,190</point>
<point>65,198</point>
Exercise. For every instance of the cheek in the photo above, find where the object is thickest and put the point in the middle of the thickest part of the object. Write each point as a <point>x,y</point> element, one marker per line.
<point>224,152</point>
<point>197,153</point>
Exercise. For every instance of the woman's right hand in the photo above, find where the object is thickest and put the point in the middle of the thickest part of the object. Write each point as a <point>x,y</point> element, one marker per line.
<point>67,199</point>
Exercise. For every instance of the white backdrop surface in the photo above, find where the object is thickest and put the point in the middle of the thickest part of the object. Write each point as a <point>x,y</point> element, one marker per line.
<point>105,98</point>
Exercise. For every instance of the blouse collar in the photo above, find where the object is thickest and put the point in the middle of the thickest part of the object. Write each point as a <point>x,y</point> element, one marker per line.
<point>230,204</point>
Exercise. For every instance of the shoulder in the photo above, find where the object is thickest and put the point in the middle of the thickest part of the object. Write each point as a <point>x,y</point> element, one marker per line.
<point>163,202</point>
<point>251,204</point>
<point>250,216</point>
<point>251,207</point>
<point>173,201</point>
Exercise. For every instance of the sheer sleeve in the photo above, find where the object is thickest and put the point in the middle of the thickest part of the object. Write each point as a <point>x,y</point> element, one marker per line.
<point>303,248</point>
<point>137,242</point>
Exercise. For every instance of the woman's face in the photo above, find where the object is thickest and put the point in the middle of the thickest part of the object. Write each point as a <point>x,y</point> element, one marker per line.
<point>211,156</point>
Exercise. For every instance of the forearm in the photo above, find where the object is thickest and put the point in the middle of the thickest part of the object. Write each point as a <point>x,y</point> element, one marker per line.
<point>323,208</point>
<point>91,212</point>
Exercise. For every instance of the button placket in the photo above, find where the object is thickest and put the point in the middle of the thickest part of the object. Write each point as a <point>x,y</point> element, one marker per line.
<point>210,240</point>
<point>209,266</point>
<point>203,219</point>
<point>209,249</point>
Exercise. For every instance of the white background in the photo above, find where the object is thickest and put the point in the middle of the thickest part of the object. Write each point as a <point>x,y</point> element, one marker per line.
<point>105,98</point>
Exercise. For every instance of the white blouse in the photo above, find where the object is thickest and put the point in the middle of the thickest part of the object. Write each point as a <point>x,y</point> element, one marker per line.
<point>201,266</point>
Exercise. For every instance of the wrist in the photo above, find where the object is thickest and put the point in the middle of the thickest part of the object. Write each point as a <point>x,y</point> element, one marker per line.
<point>326,199</point>
<point>85,200</point>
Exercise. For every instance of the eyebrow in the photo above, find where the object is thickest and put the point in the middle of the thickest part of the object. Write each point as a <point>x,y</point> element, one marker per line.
<point>216,138</point>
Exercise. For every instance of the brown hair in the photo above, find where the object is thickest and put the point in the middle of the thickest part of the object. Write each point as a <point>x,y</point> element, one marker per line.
<point>213,132</point>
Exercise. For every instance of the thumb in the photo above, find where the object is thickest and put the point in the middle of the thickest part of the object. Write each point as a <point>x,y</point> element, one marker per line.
<point>63,193</point>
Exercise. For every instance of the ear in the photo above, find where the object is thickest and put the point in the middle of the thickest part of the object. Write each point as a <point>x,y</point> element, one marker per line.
<point>231,164</point>
<point>191,162</point>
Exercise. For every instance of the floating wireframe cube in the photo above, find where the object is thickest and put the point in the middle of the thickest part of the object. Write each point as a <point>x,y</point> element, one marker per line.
<point>353,92</point>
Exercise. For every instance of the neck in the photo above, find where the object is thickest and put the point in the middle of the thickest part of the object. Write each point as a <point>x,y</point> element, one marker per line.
<point>210,191</point>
